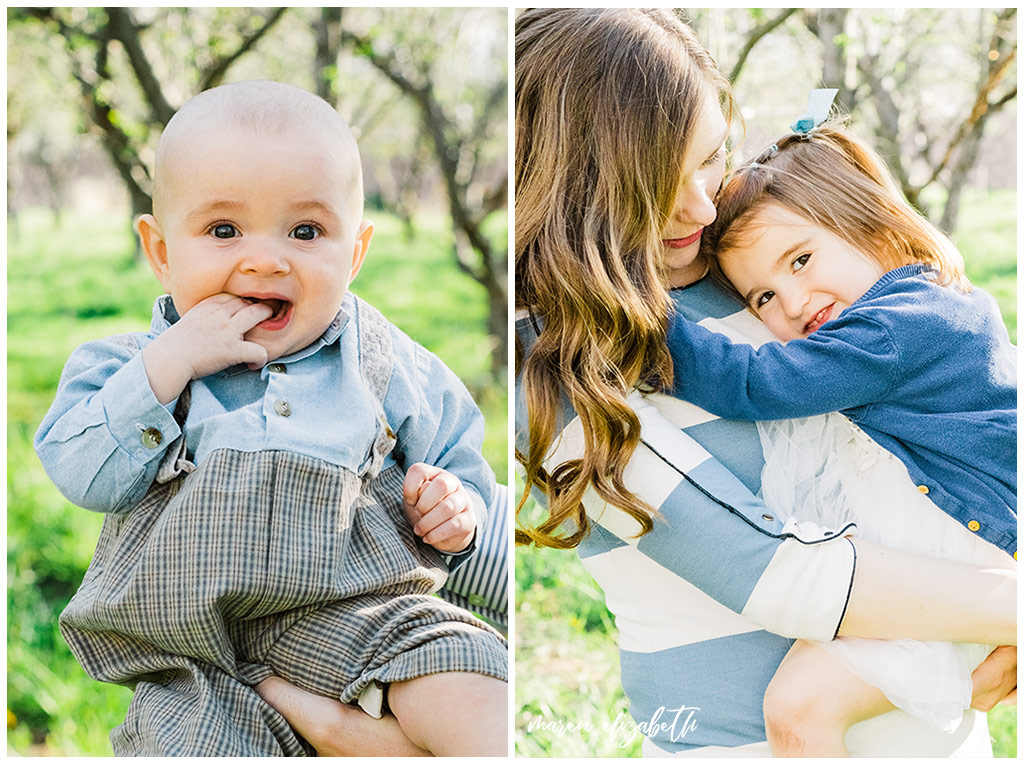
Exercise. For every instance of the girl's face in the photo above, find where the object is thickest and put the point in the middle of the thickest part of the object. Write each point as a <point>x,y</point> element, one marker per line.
<point>795,275</point>
<point>694,206</point>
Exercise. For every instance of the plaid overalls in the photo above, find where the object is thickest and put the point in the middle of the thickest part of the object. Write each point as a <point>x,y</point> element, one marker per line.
<point>254,564</point>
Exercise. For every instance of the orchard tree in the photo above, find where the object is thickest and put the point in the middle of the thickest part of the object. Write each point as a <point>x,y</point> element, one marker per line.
<point>122,94</point>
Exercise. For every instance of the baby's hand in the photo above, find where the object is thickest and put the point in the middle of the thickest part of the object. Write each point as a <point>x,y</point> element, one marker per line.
<point>207,339</point>
<point>439,508</point>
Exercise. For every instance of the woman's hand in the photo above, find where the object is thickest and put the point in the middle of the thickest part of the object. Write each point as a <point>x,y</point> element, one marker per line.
<point>333,728</point>
<point>995,680</point>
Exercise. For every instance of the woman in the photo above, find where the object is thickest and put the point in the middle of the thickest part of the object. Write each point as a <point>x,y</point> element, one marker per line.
<point>621,120</point>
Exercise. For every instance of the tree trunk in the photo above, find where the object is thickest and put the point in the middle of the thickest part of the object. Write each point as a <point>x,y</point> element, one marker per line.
<point>831,26</point>
<point>328,45</point>
<point>959,174</point>
<point>497,326</point>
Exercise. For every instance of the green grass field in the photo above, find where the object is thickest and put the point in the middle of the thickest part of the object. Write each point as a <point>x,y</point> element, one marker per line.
<point>78,281</point>
<point>567,664</point>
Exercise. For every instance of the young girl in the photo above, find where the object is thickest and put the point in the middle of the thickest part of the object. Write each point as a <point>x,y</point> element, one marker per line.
<point>882,326</point>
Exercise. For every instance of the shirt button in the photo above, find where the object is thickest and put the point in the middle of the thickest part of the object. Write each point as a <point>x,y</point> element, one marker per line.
<point>973,525</point>
<point>1015,555</point>
<point>282,407</point>
<point>152,437</point>
<point>278,368</point>
<point>923,489</point>
<point>767,517</point>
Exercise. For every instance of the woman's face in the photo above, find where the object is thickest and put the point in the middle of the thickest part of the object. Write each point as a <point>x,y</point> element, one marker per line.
<point>694,206</point>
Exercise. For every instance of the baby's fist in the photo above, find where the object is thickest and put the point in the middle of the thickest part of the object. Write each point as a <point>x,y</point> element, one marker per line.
<point>439,508</point>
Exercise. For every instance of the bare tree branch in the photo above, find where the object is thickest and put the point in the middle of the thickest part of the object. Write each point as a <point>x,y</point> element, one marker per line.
<point>978,111</point>
<point>122,27</point>
<point>117,143</point>
<point>1001,102</point>
<point>755,36</point>
<point>489,267</point>
<point>215,73</point>
<point>435,123</point>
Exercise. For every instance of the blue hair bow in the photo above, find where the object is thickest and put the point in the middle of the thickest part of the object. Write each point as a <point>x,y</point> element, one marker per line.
<point>819,103</point>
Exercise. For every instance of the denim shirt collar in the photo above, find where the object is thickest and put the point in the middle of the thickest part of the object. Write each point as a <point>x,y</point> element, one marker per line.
<point>165,315</point>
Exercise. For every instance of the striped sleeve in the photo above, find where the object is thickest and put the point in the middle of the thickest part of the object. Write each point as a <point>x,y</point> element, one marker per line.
<point>480,583</point>
<point>715,534</point>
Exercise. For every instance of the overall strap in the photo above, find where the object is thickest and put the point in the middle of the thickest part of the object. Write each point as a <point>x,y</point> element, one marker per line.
<point>376,362</point>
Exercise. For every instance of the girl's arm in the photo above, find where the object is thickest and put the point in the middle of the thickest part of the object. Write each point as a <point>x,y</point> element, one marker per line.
<point>898,595</point>
<point>851,362</point>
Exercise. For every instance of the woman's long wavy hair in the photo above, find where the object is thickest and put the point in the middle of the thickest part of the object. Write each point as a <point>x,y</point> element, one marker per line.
<point>833,179</point>
<point>606,102</point>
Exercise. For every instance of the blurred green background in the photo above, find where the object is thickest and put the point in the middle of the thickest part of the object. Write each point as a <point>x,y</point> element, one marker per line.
<point>89,89</point>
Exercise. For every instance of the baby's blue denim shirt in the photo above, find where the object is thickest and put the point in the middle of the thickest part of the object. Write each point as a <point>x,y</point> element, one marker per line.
<point>104,436</point>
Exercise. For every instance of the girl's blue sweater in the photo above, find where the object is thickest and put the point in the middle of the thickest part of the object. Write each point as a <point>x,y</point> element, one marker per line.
<point>927,371</point>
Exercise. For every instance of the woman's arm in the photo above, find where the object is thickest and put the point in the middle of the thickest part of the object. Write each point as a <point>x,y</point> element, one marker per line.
<point>898,595</point>
<point>715,534</point>
<point>333,728</point>
<point>995,680</point>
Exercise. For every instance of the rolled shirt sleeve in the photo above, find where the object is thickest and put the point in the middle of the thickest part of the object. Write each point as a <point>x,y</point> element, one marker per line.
<point>102,439</point>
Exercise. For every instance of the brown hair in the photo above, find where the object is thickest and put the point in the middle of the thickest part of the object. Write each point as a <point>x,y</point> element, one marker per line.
<point>833,179</point>
<point>606,101</point>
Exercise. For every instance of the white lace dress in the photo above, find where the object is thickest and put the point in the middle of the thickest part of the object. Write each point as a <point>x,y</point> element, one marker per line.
<point>826,470</point>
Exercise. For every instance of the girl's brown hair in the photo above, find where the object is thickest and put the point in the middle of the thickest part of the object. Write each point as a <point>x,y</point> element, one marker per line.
<point>606,101</point>
<point>833,179</point>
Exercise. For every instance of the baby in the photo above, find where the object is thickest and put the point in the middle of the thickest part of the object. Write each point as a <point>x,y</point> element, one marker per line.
<point>261,454</point>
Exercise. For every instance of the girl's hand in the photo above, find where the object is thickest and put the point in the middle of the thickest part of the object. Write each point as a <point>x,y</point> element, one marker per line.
<point>439,508</point>
<point>207,339</point>
<point>995,680</point>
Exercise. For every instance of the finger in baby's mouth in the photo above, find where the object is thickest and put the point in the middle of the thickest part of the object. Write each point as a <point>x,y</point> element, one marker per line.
<point>279,306</point>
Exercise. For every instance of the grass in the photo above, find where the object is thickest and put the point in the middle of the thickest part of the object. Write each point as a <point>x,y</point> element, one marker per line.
<point>78,281</point>
<point>567,663</point>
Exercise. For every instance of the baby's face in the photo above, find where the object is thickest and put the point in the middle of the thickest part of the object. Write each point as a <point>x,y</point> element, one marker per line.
<point>265,217</point>
<point>794,275</point>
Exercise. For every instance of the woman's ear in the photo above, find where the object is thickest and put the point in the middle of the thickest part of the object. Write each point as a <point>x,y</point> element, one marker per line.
<point>362,244</point>
<point>155,247</point>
